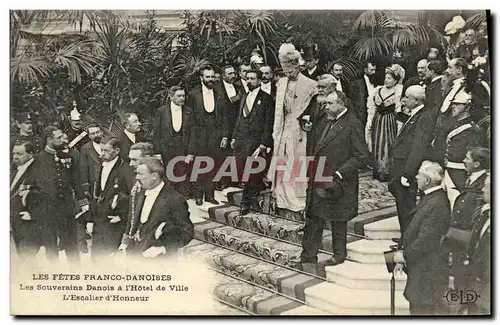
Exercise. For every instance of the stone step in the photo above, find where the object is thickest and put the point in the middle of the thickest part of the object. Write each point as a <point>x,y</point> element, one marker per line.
<point>339,300</point>
<point>383,229</point>
<point>251,298</point>
<point>363,276</point>
<point>254,244</point>
<point>277,278</point>
<point>368,251</point>
<point>269,225</point>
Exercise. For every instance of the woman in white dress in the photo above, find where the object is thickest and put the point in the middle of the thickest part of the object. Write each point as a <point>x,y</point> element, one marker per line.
<point>382,127</point>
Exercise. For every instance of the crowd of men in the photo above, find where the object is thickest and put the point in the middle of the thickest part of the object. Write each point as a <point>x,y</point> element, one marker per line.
<point>71,176</point>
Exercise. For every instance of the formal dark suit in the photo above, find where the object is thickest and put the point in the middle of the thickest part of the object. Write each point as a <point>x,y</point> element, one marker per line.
<point>273,90</point>
<point>249,132</point>
<point>408,151</point>
<point>210,128</point>
<point>414,82</point>
<point>315,75</point>
<point>426,264</point>
<point>359,98</point>
<point>171,143</point>
<point>24,232</point>
<point>238,84</point>
<point>170,212</point>
<point>107,236</point>
<point>434,97</point>
<point>126,143</point>
<point>55,185</point>
<point>478,274</point>
<point>343,145</point>
<point>346,86</point>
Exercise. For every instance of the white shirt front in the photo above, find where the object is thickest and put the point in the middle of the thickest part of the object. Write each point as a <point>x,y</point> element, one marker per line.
<point>251,98</point>
<point>266,87</point>
<point>20,171</point>
<point>130,135</point>
<point>339,85</point>
<point>369,86</point>
<point>436,78</point>
<point>208,98</point>
<point>176,112</point>
<point>432,189</point>
<point>97,148</point>
<point>149,201</point>
<point>312,70</point>
<point>244,83</point>
<point>230,90</point>
<point>474,176</point>
<point>106,169</point>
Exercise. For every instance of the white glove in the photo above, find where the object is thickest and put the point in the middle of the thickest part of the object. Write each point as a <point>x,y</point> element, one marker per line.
<point>154,251</point>
<point>25,215</point>
<point>233,141</point>
<point>85,208</point>
<point>223,143</point>
<point>114,219</point>
<point>159,230</point>
<point>404,181</point>
<point>189,159</point>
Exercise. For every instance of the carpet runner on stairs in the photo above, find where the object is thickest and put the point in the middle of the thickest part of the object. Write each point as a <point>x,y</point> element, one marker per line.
<point>262,250</point>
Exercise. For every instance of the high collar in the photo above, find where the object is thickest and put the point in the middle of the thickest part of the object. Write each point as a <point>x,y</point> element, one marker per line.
<point>155,190</point>
<point>433,189</point>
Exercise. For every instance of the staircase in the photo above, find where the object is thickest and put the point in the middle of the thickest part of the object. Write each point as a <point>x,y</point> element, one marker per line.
<point>255,258</point>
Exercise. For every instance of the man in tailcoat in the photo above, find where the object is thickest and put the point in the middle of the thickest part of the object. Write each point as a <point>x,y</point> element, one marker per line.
<point>159,223</point>
<point>110,200</point>
<point>422,257</point>
<point>361,90</point>
<point>408,151</point>
<point>24,229</point>
<point>211,130</point>
<point>89,162</point>
<point>174,136</point>
<point>268,85</point>
<point>131,134</point>
<point>337,138</point>
<point>434,89</point>
<point>252,134</point>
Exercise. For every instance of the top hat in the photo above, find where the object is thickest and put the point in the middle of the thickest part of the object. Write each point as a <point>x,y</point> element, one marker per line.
<point>310,52</point>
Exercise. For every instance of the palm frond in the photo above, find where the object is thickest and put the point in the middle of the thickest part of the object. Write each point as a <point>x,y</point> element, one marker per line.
<point>28,70</point>
<point>475,21</point>
<point>372,47</point>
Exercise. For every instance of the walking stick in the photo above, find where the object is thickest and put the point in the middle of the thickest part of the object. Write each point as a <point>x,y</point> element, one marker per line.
<point>393,290</point>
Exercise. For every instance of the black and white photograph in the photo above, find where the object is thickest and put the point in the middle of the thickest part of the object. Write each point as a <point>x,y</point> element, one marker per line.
<point>250,162</point>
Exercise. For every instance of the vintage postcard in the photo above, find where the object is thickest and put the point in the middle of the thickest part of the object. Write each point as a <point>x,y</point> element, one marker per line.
<point>250,162</point>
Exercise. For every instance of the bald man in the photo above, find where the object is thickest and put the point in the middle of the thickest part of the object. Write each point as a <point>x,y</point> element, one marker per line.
<point>421,78</point>
<point>408,151</point>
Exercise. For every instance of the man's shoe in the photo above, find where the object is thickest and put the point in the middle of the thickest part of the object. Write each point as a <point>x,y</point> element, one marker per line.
<point>396,240</point>
<point>336,260</point>
<point>199,202</point>
<point>213,201</point>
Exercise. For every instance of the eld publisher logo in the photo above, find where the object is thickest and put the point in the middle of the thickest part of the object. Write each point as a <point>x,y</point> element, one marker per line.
<point>462,297</point>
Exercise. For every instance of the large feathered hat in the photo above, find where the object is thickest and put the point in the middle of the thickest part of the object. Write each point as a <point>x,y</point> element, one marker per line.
<point>288,55</point>
<point>396,70</point>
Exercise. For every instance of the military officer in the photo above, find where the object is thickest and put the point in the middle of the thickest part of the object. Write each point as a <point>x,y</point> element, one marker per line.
<point>477,163</point>
<point>464,135</point>
<point>24,123</point>
<point>77,136</point>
